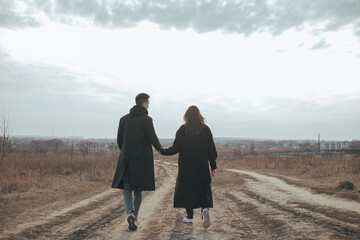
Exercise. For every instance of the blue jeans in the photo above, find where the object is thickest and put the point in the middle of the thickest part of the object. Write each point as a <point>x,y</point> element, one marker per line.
<point>132,204</point>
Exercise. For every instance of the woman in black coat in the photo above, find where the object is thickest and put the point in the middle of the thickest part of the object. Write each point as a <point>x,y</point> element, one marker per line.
<point>195,145</point>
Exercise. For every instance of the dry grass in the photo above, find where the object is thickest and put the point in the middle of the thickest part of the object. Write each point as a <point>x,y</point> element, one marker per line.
<point>302,165</point>
<point>22,171</point>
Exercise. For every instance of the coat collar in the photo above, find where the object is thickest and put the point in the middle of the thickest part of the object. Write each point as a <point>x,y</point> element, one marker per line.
<point>138,111</point>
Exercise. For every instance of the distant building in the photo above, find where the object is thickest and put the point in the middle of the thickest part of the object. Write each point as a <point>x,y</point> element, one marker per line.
<point>335,145</point>
<point>291,145</point>
<point>93,148</point>
<point>287,145</point>
<point>273,148</point>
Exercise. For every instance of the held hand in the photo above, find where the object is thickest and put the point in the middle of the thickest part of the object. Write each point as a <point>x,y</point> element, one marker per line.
<point>213,172</point>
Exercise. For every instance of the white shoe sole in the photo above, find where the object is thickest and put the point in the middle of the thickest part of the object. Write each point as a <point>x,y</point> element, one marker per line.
<point>206,219</point>
<point>186,220</point>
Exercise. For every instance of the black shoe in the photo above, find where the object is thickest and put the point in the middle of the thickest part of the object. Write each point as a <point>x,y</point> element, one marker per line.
<point>132,221</point>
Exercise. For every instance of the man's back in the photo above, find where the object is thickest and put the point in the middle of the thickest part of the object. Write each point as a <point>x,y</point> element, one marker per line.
<point>135,136</point>
<point>136,128</point>
<point>135,168</point>
<point>132,131</point>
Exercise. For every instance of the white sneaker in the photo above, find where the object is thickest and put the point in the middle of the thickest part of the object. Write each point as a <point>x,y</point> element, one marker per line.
<point>188,220</point>
<point>205,217</point>
<point>136,223</point>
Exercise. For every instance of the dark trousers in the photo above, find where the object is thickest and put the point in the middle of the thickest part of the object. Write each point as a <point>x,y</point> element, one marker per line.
<point>190,212</point>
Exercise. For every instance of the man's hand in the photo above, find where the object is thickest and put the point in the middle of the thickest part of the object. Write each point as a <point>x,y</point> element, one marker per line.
<point>213,172</point>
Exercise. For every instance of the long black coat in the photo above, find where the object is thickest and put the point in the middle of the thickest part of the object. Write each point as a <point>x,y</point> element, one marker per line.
<point>135,136</point>
<point>193,184</point>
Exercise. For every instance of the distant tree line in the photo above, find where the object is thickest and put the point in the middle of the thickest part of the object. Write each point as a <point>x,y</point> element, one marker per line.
<point>355,144</point>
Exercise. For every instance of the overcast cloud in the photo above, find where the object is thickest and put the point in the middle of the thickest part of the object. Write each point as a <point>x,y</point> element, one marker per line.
<point>321,44</point>
<point>264,69</point>
<point>244,17</point>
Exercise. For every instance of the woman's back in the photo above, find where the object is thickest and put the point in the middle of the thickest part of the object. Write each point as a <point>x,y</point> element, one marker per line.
<point>195,145</point>
<point>195,149</point>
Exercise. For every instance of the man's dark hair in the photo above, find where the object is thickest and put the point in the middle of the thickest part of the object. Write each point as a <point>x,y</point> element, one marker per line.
<point>141,98</point>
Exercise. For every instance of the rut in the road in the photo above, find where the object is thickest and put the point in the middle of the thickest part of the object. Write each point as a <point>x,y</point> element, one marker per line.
<point>152,210</point>
<point>113,225</point>
<point>278,221</point>
<point>302,193</point>
<point>73,219</point>
<point>81,220</point>
<point>277,210</point>
<point>89,230</point>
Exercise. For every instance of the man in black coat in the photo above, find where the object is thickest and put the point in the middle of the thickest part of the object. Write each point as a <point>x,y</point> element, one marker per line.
<point>135,168</point>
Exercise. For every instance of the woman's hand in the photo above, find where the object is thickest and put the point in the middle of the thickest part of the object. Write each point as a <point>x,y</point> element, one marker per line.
<point>213,172</point>
<point>161,151</point>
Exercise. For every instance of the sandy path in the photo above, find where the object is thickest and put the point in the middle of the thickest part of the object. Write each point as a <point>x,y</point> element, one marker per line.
<point>257,207</point>
<point>297,193</point>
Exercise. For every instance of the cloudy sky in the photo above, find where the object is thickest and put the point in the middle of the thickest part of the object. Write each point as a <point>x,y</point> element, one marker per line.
<point>278,69</point>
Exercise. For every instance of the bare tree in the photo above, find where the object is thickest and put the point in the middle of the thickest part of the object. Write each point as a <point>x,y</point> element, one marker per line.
<point>5,138</point>
<point>83,147</point>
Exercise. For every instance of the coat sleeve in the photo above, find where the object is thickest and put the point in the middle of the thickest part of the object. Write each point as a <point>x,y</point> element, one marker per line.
<point>212,153</point>
<point>176,147</point>
<point>151,135</point>
<point>120,135</point>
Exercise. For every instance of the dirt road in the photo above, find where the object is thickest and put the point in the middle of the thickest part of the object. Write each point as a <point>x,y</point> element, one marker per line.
<point>248,206</point>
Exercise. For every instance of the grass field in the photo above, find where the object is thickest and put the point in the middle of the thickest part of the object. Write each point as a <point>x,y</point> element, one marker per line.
<point>22,171</point>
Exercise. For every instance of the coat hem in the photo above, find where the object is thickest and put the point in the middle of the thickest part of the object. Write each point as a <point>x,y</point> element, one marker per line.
<point>196,206</point>
<point>135,189</point>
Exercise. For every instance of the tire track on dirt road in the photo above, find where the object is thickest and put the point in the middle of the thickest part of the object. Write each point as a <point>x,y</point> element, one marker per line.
<point>78,221</point>
<point>297,208</point>
<point>337,227</point>
<point>41,227</point>
<point>151,210</point>
<point>302,193</point>
<point>116,227</point>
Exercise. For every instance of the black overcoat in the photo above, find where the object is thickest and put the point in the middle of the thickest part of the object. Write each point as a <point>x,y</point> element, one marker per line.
<point>193,183</point>
<point>135,136</point>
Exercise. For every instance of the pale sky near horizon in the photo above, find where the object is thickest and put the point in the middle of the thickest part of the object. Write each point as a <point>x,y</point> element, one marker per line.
<point>277,69</point>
